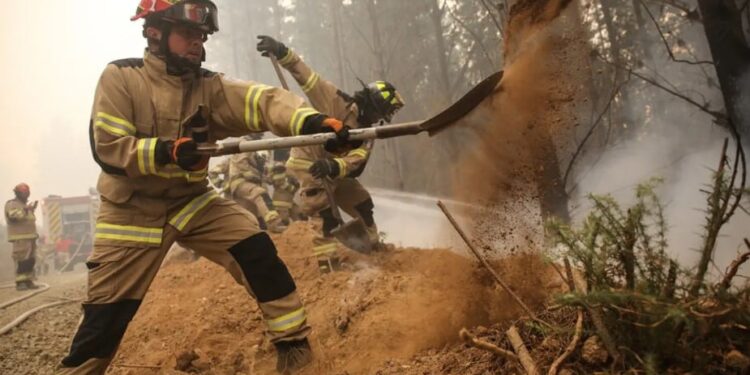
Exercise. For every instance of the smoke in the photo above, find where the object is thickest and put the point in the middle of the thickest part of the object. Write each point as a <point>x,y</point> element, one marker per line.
<point>672,140</point>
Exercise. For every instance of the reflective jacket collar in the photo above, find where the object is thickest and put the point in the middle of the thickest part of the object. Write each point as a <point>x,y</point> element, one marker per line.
<point>157,69</point>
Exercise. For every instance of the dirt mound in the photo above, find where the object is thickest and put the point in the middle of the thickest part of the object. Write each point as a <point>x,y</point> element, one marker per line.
<point>382,308</point>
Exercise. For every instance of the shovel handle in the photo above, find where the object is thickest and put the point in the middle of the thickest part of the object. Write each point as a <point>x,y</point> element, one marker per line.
<point>328,187</point>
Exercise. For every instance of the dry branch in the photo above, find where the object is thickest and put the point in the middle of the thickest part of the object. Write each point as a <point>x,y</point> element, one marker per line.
<point>733,268</point>
<point>666,44</point>
<point>571,346</point>
<point>484,345</point>
<point>524,357</point>
<point>486,264</point>
<point>601,328</point>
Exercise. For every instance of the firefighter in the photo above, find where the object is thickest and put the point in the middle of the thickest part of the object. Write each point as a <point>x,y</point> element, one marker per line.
<point>219,176</point>
<point>376,102</point>
<point>246,178</point>
<point>21,222</point>
<point>147,119</point>
<point>284,188</point>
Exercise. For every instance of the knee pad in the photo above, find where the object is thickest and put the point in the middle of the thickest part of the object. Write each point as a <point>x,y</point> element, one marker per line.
<point>329,221</point>
<point>263,269</point>
<point>101,331</point>
<point>365,211</point>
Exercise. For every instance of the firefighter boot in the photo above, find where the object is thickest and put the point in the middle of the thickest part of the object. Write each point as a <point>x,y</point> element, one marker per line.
<point>325,250</point>
<point>274,222</point>
<point>292,355</point>
<point>374,236</point>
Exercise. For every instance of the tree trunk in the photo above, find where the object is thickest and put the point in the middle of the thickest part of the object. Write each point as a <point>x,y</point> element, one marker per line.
<point>731,54</point>
<point>436,15</point>
<point>337,44</point>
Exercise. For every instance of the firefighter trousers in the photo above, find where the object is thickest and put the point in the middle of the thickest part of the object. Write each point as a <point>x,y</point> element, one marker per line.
<point>255,199</point>
<point>25,258</point>
<point>222,232</point>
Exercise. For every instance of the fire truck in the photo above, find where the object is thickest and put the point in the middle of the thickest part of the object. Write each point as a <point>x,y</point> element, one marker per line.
<point>69,224</point>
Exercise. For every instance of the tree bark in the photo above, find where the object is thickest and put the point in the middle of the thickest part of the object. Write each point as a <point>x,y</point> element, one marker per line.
<point>731,54</point>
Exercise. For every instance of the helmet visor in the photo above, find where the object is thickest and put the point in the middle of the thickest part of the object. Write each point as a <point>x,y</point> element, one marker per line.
<point>201,14</point>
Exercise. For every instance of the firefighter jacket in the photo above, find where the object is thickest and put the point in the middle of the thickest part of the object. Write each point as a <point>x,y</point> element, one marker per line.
<point>323,95</point>
<point>245,167</point>
<point>138,102</point>
<point>20,220</point>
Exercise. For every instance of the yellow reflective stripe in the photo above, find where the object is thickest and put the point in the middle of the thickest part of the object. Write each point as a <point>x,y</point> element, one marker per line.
<point>359,152</point>
<point>173,171</point>
<point>114,125</point>
<point>298,118</point>
<point>342,166</point>
<point>252,106</point>
<point>279,176</point>
<point>282,204</point>
<point>183,217</point>
<point>23,277</point>
<point>130,233</point>
<point>287,58</point>
<point>311,81</point>
<point>298,164</point>
<point>19,237</point>
<point>270,215</point>
<point>325,249</point>
<point>17,213</point>
<point>287,321</point>
<point>146,150</point>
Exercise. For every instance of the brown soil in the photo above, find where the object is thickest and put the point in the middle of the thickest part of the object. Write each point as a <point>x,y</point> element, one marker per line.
<point>387,307</point>
<point>37,345</point>
<point>527,127</point>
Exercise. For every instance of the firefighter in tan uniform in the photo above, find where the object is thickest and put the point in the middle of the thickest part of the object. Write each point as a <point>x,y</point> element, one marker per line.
<point>284,189</point>
<point>21,222</point>
<point>246,178</point>
<point>148,117</point>
<point>377,102</point>
<point>218,175</point>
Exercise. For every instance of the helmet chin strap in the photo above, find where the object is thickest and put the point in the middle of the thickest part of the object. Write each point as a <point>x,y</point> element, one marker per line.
<point>176,65</point>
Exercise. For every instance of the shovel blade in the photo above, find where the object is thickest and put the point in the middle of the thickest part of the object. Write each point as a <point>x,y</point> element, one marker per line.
<point>353,235</point>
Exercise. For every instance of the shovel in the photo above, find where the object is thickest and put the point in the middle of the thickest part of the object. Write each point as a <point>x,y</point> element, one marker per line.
<point>352,234</point>
<point>432,126</point>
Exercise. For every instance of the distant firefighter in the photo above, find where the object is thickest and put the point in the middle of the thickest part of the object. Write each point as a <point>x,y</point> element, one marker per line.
<point>19,215</point>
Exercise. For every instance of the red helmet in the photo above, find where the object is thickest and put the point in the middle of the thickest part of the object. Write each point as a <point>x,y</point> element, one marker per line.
<point>199,13</point>
<point>22,188</point>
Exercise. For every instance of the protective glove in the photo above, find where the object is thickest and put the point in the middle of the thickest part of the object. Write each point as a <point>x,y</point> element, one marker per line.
<point>324,168</point>
<point>181,152</point>
<point>341,143</point>
<point>268,45</point>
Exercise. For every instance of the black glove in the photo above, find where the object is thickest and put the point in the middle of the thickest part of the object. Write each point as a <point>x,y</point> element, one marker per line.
<point>324,168</point>
<point>293,183</point>
<point>268,45</point>
<point>181,152</point>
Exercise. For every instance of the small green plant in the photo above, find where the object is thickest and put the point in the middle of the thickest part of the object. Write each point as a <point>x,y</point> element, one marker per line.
<point>660,315</point>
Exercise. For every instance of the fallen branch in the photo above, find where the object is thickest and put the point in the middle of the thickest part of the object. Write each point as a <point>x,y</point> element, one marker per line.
<point>21,318</point>
<point>137,366</point>
<point>487,264</point>
<point>524,357</point>
<point>733,268</point>
<point>596,318</point>
<point>571,346</point>
<point>484,345</point>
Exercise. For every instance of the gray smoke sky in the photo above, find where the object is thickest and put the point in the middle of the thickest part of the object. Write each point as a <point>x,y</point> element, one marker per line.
<point>52,55</point>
